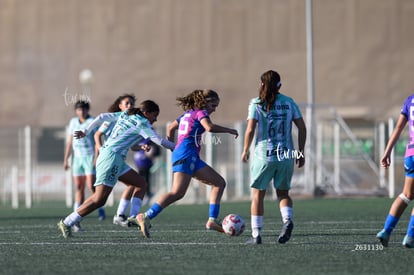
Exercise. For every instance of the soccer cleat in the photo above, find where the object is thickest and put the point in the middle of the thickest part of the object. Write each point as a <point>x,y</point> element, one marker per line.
<point>132,222</point>
<point>144,225</point>
<point>77,227</point>
<point>284,235</point>
<point>383,237</point>
<point>64,229</point>
<point>214,225</point>
<point>408,241</point>
<point>101,214</point>
<point>253,240</point>
<point>120,220</point>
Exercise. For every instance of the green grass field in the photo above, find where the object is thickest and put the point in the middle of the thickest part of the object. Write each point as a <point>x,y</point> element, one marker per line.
<point>331,236</point>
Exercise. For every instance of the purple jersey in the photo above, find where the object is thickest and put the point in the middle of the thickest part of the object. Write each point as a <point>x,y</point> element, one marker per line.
<point>408,111</point>
<point>189,134</point>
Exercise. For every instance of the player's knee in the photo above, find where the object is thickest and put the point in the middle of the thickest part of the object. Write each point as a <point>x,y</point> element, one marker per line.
<point>282,194</point>
<point>406,199</point>
<point>178,196</point>
<point>222,183</point>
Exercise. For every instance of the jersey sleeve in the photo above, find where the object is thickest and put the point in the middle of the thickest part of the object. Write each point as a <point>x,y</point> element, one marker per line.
<point>99,120</point>
<point>70,128</point>
<point>147,132</point>
<point>296,111</point>
<point>252,111</point>
<point>104,127</point>
<point>201,114</point>
<point>405,110</point>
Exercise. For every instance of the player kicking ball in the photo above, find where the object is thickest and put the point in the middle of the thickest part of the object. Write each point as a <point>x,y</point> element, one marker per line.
<point>186,161</point>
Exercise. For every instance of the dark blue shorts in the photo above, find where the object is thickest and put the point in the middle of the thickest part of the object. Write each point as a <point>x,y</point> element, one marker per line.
<point>409,166</point>
<point>188,165</point>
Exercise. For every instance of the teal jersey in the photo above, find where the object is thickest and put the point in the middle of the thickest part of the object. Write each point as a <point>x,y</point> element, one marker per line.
<point>106,128</point>
<point>274,128</point>
<point>128,131</point>
<point>85,146</point>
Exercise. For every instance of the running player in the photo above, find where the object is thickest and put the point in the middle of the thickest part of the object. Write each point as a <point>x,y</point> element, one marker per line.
<point>186,161</point>
<point>82,151</point>
<point>402,201</point>
<point>131,127</point>
<point>122,103</point>
<point>272,113</point>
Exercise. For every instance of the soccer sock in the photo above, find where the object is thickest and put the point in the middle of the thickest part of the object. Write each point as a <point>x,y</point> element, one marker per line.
<point>214,211</point>
<point>410,229</point>
<point>287,213</point>
<point>76,206</point>
<point>153,211</point>
<point>257,223</point>
<point>122,207</point>
<point>73,218</point>
<point>390,223</point>
<point>136,204</point>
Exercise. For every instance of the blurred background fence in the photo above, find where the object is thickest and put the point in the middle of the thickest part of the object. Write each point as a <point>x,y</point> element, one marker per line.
<point>344,162</point>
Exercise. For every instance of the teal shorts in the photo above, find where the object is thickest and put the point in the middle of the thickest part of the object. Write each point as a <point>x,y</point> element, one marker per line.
<point>83,165</point>
<point>109,166</point>
<point>262,172</point>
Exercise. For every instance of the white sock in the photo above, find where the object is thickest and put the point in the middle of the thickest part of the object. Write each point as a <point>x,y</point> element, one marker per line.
<point>287,213</point>
<point>122,207</point>
<point>72,219</point>
<point>76,206</point>
<point>257,223</point>
<point>136,204</point>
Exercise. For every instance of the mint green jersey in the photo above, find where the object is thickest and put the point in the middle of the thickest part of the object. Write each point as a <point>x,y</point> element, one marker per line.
<point>274,128</point>
<point>85,146</point>
<point>128,131</point>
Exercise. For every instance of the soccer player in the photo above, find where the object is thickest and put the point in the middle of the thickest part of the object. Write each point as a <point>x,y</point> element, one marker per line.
<point>122,103</point>
<point>83,168</point>
<point>186,161</point>
<point>402,201</point>
<point>272,113</point>
<point>128,196</point>
<point>131,127</point>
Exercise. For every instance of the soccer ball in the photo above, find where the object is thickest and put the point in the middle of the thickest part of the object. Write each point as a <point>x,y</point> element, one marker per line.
<point>233,225</point>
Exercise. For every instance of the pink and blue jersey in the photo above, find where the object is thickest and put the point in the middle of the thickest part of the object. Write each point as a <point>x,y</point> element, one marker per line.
<point>407,110</point>
<point>190,131</point>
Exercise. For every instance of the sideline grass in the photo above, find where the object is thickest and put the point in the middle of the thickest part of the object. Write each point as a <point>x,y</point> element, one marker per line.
<point>331,236</point>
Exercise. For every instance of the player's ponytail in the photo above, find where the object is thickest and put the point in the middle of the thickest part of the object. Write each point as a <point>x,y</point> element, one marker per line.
<point>269,89</point>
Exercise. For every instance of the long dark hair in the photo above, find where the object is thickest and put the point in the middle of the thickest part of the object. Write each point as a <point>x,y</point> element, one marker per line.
<point>197,99</point>
<point>115,106</point>
<point>269,88</point>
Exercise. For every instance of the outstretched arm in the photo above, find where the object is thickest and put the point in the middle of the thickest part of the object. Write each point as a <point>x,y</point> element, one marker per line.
<point>151,134</point>
<point>95,123</point>
<point>214,128</point>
